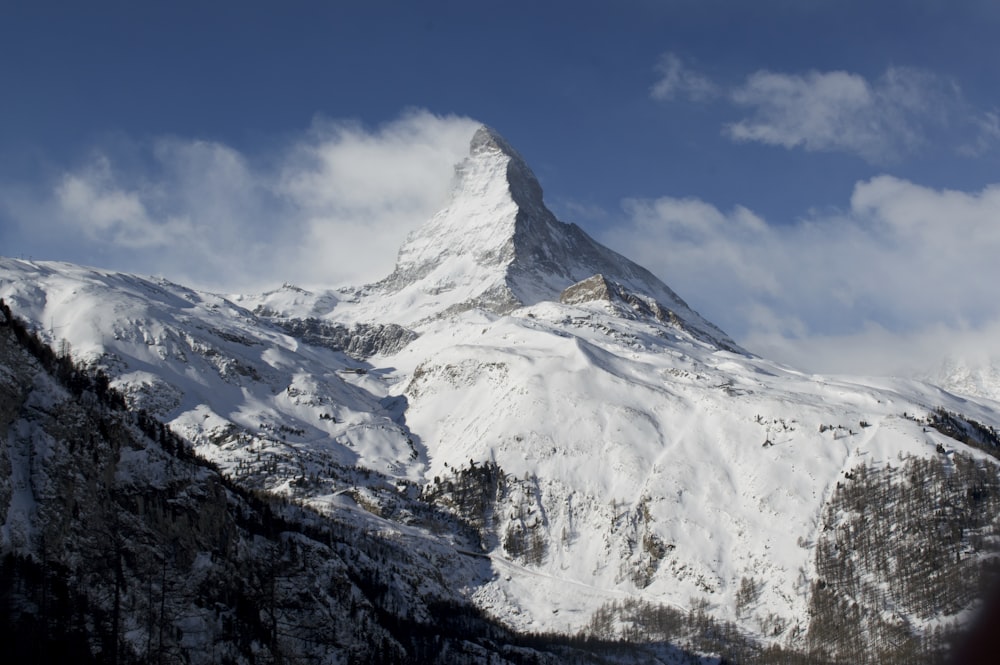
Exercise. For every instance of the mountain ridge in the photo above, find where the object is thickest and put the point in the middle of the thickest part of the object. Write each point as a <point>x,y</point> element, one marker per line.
<point>603,446</point>
<point>495,246</point>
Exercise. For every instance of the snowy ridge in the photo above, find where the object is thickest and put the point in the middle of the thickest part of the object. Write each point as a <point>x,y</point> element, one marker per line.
<point>645,462</point>
<point>243,391</point>
<point>637,451</point>
<point>719,462</point>
<point>496,247</point>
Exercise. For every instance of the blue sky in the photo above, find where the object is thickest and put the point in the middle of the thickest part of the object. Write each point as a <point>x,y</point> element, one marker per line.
<point>818,178</point>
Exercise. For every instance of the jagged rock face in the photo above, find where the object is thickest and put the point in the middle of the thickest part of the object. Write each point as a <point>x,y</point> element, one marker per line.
<point>599,288</point>
<point>590,289</point>
<point>632,305</point>
<point>359,342</point>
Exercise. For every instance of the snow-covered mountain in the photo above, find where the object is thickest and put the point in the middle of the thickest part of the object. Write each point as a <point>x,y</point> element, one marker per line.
<point>605,442</point>
<point>494,247</point>
<point>976,377</point>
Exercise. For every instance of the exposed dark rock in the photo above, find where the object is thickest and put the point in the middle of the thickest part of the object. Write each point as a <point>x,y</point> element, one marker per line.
<point>632,305</point>
<point>361,341</point>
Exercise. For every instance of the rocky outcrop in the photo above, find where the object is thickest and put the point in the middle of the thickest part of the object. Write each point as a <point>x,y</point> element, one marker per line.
<point>632,305</point>
<point>360,341</point>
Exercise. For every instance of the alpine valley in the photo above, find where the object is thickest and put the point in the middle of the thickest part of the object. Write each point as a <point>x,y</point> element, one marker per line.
<point>518,447</point>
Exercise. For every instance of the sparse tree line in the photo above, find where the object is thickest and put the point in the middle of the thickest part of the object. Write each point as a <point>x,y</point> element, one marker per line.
<point>478,493</point>
<point>76,379</point>
<point>636,621</point>
<point>966,430</point>
<point>914,542</point>
<point>900,545</point>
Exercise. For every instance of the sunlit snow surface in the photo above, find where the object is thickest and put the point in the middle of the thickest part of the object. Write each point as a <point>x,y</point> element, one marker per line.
<point>623,429</point>
<point>237,387</point>
<point>617,419</point>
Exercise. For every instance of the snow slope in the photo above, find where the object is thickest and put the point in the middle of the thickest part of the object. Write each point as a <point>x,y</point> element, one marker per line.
<point>974,376</point>
<point>644,453</point>
<point>659,467</point>
<point>248,395</point>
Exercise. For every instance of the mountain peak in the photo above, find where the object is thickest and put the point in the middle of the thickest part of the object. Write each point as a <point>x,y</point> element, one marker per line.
<point>495,246</point>
<point>488,143</point>
<point>487,139</point>
<point>488,146</point>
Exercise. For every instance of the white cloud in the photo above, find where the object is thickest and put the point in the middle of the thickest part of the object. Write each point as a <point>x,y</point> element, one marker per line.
<point>189,210</point>
<point>359,193</point>
<point>933,351</point>
<point>91,200</point>
<point>901,261</point>
<point>840,111</point>
<point>329,208</point>
<point>676,80</point>
<point>880,120</point>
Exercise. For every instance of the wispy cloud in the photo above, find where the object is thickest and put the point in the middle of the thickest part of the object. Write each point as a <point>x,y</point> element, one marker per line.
<point>937,352</point>
<point>104,212</point>
<point>901,259</point>
<point>677,80</point>
<point>986,136</point>
<point>840,111</point>
<point>880,120</point>
<point>358,193</point>
<point>329,206</point>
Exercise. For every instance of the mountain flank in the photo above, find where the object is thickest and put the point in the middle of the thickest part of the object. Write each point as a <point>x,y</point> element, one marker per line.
<point>520,444</point>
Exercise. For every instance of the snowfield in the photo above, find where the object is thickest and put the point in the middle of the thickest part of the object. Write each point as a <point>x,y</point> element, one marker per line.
<point>644,453</point>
